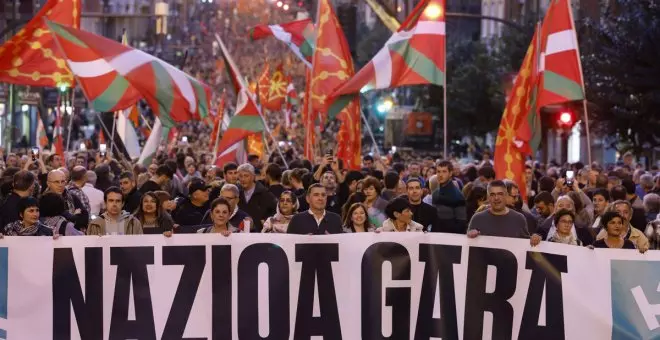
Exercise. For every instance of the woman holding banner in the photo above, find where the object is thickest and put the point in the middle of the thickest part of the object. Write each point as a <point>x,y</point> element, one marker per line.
<point>29,224</point>
<point>357,219</point>
<point>613,224</point>
<point>399,217</point>
<point>220,210</point>
<point>152,215</point>
<point>286,208</point>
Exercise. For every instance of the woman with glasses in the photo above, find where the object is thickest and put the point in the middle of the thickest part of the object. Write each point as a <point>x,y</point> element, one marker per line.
<point>154,218</point>
<point>286,208</point>
<point>564,231</point>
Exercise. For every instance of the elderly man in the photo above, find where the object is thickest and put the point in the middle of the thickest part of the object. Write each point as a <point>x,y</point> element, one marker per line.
<point>95,196</point>
<point>232,194</point>
<point>76,211</point>
<point>255,199</point>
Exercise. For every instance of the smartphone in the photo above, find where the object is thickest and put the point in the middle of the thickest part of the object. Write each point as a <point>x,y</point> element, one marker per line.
<point>570,175</point>
<point>83,147</point>
<point>35,153</point>
<point>103,148</point>
<point>184,139</point>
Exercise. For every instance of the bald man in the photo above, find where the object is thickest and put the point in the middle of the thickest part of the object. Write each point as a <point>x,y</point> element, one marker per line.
<point>76,211</point>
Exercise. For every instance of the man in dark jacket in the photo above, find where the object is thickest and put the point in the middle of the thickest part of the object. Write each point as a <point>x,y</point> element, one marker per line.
<point>514,202</point>
<point>449,202</point>
<point>129,189</point>
<point>274,179</point>
<point>23,182</point>
<point>317,220</point>
<point>76,211</point>
<point>191,212</point>
<point>424,214</point>
<point>255,200</point>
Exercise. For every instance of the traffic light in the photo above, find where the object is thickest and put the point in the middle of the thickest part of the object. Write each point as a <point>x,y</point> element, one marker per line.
<point>565,119</point>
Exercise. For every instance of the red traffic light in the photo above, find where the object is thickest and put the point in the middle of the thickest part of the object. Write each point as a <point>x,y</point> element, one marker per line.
<point>566,118</point>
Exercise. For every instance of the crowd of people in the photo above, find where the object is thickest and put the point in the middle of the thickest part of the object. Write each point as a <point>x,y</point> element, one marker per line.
<point>182,192</point>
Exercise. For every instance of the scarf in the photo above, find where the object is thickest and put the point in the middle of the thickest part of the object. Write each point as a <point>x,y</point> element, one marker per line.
<point>19,229</point>
<point>570,239</point>
<point>553,231</point>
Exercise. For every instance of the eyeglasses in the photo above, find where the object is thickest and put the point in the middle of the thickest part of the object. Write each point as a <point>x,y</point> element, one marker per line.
<point>286,200</point>
<point>229,198</point>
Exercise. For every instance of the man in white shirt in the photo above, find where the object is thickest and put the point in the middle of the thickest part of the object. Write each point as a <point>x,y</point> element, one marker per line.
<point>94,195</point>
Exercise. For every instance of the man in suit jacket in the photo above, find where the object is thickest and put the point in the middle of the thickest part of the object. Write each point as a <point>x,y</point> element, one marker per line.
<point>316,220</point>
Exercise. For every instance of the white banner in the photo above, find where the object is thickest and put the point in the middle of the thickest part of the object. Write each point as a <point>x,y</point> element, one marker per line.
<point>359,286</point>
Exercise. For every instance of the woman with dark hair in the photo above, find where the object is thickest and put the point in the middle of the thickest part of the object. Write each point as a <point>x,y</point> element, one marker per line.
<point>476,197</point>
<point>53,211</point>
<point>154,219</point>
<point>563,233</point>
<point>357,219</point>
<point>28,224</point>
<point>287,207</point>
<point>356,197</point>
<point>399,217</point>
<point>613,224</point>
<point>375,204</point>
<point>220,212</point>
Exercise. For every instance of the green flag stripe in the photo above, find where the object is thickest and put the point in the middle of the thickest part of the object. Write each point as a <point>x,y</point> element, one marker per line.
<point>562,86</point>
<point>109,98</point>
<point>534,121</point>
<point>418,62</point>
<point>64,34</point>
<point>202,102</point>
<point>164,91</point>
<point>250,123</point>
<point>339,105</point>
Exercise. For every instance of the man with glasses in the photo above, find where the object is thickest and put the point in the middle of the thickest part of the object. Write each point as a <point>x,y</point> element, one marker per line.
<point>231,194</point>
<point>76,211</point>
<point>498,219</point>
<point>515,202</point>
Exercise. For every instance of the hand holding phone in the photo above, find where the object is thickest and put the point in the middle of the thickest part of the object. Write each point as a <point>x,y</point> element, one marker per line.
<point>102,149</point>
<point>35,153</point>
<point>570,175</point>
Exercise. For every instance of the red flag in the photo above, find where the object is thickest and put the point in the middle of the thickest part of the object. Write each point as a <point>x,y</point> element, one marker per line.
<point>31,56</point>
<point>263,84</point>
<point>332,67</point>
<point>509,157</point>
<point>276,93</point>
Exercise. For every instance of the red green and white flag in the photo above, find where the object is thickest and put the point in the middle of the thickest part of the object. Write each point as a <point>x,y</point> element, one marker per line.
<point>114,77</point>
<point>561,74</point>
<point>150,149</point>
<point>247,119</point>
<point>42,137</point>
<point>298,35</point>
<point>414,55</point>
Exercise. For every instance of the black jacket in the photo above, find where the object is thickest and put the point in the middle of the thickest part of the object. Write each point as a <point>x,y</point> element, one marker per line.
<point>261,206</point>
<point>304,223</point>
<point>187,214</point>
<point>132,201</point>
<point>302,199</point>
<point>149,186</point>
<point>426,215</point>
<point>9,210</point>
<point>276,190</point>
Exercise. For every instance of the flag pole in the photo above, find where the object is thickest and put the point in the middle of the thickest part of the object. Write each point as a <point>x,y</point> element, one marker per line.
<point>73,111</point>
<point>217,141</point>
<point>114,127</point>
<point>584,92</point>
<point>444,110</point>
<point>105,128</point>
<point>310,107</point>
<point>279,151</point>
<point>371,133</point>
